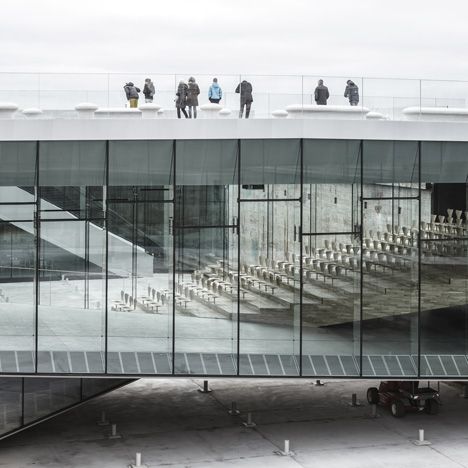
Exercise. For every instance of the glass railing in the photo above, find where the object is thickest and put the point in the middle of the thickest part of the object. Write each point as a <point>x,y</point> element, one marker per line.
<point>291,96</point>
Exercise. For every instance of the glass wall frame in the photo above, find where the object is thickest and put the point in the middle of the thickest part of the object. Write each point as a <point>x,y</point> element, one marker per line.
<point>254,240</point>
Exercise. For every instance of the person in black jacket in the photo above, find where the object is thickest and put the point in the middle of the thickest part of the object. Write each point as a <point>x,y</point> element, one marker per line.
<point>245,91</point>
<point>321,94</point>
<point>352,93</point>
<point>148,90</point>
<point>131,91</point>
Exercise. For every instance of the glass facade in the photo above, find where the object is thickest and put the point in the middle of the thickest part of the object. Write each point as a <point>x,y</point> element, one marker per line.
<point>28,400</point>
<point>290,257</point>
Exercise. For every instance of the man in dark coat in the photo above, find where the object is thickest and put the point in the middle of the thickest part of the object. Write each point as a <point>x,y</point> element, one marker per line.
<point>321,94</point>
<point>131,91</point>
<point>148,90</point>
<point>245,91</point>
<point>352,93</point>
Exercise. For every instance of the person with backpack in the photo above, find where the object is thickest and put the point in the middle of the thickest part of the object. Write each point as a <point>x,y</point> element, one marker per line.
<point>321,94</point>
<point>131,91</point>
<point>192,97</point>
<point>215,93</point>
<point>352,93</point>
<point>245,91</point>
<point>181,101</point>
<point>149,91</point>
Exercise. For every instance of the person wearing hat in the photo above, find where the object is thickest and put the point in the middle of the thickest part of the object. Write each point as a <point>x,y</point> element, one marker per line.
<point>131,91</point>
<point>321,94</point>
<point>352,93</point>
<point>192,97</point>
<point>148,91</point>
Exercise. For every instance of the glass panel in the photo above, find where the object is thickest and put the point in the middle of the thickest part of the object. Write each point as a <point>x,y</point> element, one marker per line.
<point>10,404</point>
<point>17,296</point>
<point>43,396</point>
<point>444,263</point>
<point>206,301</point>
<point>71,295</point>
<point>71,177</point>
<point>270,288</point>
<point>140,255</point>
<point>270,169</point>
<point>331,258</point>
<point>18,163</point>
<point>390,258</point>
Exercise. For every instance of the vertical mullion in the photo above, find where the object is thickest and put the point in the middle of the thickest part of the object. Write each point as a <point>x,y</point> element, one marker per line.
<point>301,268</point>
<point>38,260</point>
<point>419,260</point>
<point>238,250</point>
<point>106,260</point>
<point>361,274</point>
<point>174,239</point>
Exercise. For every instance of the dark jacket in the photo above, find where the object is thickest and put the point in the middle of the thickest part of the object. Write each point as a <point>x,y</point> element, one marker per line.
<point>352,92</point>
<point>131,91</point>
<point>192,94</point>
<point>321,95</point>
<point>148,90</point>
<point>181,94</point>
<point>245,91</point>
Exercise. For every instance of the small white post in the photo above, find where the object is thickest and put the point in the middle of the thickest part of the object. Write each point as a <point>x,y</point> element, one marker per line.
<point>286,452</point>
<point>421,440</point>
<point>354,401</point>
<point>249,422</point>
<point>113,434</point>
<point>103,421</point>
<point>206,388</point>
<point>234,411</point>
<point>138,459</point>
<point>286,447</point>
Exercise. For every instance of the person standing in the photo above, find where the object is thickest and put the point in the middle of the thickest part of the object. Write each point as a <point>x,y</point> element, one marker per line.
<point>246,99</point>
<point>352,93</point>
<point>131,91</point>
<point>149,91</point>
<point>321,94</point>
<point>192,97</point>
<point>215,93</point>
<point>181,101</point>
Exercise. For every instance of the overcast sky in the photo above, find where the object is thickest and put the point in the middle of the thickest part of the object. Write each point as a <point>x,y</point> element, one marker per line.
<point>410,38</point>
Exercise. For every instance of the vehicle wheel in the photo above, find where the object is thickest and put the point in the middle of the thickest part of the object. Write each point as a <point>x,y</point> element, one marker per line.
<point>431,407</point>
<point>397,408</point>
<point>373,396</point>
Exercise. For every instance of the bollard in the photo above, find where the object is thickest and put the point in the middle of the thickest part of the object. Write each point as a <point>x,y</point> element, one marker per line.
<point>249,422</point>
<point>286,452</point>
<point>354,400</point>
<point>103,421</point>
<point>318,383</point>
<point>138,463</point>
<point>234,411</point>
<point>421,440</point>
<point>465,391</point>
<point>205,388</point>
<point>113,434</point>
<point>373,410</point>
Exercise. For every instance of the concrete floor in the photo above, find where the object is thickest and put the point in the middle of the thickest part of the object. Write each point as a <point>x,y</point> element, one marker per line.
<point>174,425</point>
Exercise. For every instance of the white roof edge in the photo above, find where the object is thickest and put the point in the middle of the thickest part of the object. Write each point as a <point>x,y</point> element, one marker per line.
<point>203,129</point>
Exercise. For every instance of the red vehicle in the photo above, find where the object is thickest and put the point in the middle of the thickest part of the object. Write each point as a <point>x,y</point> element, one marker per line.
<point>401,397</point>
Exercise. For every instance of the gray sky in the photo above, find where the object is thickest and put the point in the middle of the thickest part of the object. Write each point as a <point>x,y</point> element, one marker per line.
<point>409,38</point>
